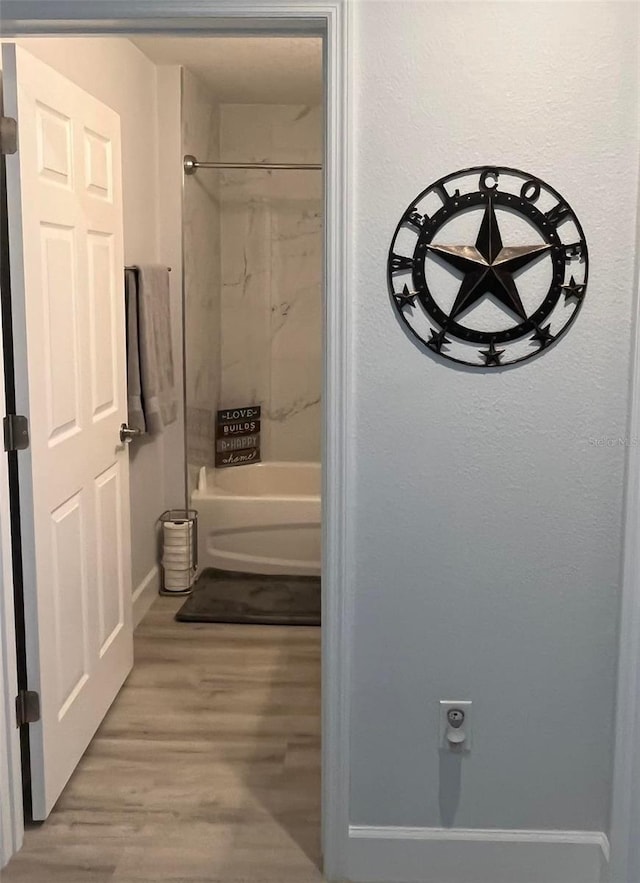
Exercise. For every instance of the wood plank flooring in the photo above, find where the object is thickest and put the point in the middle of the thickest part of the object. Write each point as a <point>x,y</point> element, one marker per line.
<point>207,767</point>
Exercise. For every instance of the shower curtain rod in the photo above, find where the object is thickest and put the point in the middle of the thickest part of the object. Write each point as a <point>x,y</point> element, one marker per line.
<point>191,165</point>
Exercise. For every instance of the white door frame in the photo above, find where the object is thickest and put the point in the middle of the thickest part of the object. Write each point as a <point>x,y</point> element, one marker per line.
<point>329,19</point>
<point>11,823</point>
<point>625,801</point>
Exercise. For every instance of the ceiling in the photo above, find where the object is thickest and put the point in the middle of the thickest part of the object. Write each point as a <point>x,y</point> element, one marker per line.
<point>246,70</point>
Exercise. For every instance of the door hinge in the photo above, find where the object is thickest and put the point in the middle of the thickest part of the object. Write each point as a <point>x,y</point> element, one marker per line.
<point>8,136</point>
<point>16,432</point>
<point>27,707</point>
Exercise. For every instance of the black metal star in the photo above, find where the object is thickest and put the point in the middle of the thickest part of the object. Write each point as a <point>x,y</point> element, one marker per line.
<point>573,290</point>
<point>543,336</point>
<point>437,340</point>
<point>489,266</point>
<point>405,298</point>
<point>492,355</point>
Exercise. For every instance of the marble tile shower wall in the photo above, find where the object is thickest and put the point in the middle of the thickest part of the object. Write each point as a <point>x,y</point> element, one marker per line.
<point>202,273</point>
<point>271,302</point>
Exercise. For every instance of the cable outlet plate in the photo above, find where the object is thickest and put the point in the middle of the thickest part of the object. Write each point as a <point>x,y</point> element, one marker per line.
<point>465,705</point>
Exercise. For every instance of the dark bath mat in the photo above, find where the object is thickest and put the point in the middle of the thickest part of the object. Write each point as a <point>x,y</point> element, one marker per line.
<point>227,596</point>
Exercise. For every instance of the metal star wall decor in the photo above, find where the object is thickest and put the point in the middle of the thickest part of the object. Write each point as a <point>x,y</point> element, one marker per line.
<point>508,296</point>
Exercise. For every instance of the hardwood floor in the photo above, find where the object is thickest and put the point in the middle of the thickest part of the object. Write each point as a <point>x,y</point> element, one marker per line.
<point>207,767</point>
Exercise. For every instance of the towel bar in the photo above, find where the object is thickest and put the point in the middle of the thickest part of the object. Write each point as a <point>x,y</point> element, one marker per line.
<point>134,267</point>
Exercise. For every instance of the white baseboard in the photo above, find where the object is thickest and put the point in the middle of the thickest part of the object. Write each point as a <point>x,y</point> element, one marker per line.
<point>145,594</point>
<point>470,855</point>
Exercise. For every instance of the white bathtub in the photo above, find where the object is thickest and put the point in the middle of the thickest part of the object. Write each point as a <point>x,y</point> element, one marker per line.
<point>259,518</point>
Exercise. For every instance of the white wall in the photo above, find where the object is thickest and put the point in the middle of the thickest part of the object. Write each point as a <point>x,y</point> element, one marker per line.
<point>253,269</point>
<point>271,303</point>
<point>488,527</point>
<point>202,268</point>
<point>119,74</point>
<point>169,233</point>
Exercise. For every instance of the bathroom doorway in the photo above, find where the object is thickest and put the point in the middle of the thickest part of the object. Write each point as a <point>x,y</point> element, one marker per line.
<point>163,647</point>
<point>253,313</point>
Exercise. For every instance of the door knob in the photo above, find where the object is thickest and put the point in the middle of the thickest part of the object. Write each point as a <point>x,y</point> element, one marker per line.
<point>127,435</point>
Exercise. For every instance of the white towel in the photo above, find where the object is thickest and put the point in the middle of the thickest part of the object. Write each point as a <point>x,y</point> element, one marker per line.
<point>152,399</point>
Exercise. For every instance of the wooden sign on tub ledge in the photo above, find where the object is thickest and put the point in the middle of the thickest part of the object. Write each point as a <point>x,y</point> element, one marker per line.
<point>238,436</point>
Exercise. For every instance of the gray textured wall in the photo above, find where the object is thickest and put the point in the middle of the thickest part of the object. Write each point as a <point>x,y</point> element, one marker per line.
<point>488,526</point>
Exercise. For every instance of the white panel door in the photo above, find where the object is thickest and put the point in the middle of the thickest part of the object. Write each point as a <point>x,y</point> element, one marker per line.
<point>65,224</point>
